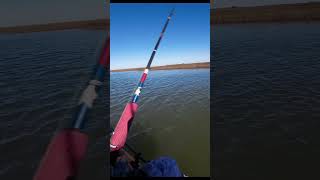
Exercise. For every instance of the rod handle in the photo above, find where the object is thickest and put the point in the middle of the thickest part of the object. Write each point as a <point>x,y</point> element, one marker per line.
<point>120,134</point>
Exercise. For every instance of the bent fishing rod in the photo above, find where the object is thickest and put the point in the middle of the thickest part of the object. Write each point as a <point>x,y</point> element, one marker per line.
<point>119,136</point>
<point>68,147</point>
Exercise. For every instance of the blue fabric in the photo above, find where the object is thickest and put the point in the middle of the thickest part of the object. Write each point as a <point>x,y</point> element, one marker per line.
<point>121,169</point>
<point>162,167</point>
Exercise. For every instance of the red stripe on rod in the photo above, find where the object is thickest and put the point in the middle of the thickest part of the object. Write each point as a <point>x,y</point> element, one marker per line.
<point>105,54</point>
<point>143,77</point>
<point>63,156</point>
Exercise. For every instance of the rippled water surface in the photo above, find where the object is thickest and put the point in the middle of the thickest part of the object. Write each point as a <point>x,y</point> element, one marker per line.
<point>266,100</point>
<point>41,77</point>
<point>173,117</point>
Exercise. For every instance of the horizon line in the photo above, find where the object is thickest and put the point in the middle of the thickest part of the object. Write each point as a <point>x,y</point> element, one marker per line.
<point>161,66</point>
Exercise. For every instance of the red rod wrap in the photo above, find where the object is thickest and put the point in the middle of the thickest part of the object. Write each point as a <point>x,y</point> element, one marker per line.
<point>121,131</point>
<point>105,54</point>
<point>63,156</point>
<point>143,77</point>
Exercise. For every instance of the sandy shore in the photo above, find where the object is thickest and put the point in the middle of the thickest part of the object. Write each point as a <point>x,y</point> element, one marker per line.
<point>98,24</point>
<point>300,12</point>
<point>170,67</point>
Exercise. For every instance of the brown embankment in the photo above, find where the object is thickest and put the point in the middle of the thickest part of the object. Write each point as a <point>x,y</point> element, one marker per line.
<point>300,12</point>
<point>170,67</point>
<point>98,24</point>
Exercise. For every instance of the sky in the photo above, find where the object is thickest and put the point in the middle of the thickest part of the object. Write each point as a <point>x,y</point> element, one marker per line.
<point>135,28</point>
<point>229,3</point>
<point>19,12</point>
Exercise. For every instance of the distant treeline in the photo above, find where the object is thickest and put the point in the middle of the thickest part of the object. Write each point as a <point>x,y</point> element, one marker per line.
<point>306,12</point>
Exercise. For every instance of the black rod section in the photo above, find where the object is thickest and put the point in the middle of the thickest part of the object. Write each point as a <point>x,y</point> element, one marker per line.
<point>159,40</point>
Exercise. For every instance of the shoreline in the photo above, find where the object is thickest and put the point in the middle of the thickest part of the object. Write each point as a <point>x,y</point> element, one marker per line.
<point>97,24</point>
<point>203,65</point>
<point>283,13</point>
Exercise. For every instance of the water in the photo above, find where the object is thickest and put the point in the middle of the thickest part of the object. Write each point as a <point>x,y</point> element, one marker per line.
<point>41,78</point>
<point>266,101</point>
<point>173,117</point>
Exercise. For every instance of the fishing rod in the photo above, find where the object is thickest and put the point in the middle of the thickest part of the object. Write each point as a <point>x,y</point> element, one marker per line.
<point>131,149</point>
<point>68,147</point>
<point>119,136</point>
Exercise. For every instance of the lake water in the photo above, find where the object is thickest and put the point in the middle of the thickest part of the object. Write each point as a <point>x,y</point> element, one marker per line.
<point>41,78</point>
<point>266,100</point>
<point>266,103</point>
<point>173,117</point>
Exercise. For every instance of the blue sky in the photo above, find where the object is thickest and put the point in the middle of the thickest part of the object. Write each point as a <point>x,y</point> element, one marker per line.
<point>135,28</point>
